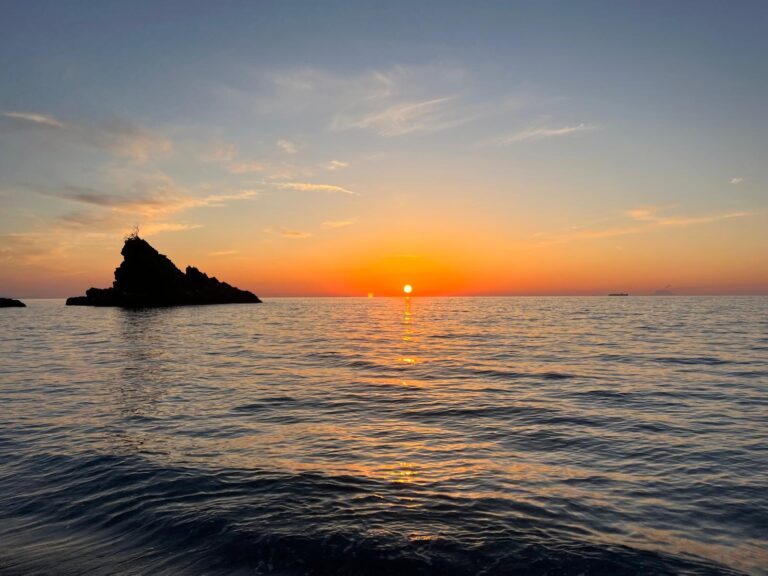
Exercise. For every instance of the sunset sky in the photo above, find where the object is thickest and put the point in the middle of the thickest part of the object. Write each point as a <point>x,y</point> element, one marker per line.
<point>341,148</point>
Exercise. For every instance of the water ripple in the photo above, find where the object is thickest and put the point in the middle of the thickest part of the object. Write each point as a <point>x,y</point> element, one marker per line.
<point>374,436</point>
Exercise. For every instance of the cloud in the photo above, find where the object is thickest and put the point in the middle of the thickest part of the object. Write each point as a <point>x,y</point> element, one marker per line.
<point>737,180</point>
<point>95,223</point>
<point>102,218</point>
<point>221,154</point>
<point>111,214</point>
<point>287,146</point>
<point>223,253</point>
<point>310,86</point>
<point>643,219</point>
<point>153,228</point>
<point>336,165</point>
<point>148,203</point>
<point>393,101</point>
<point>314,85</point>
<point>588,233</point>
<point>222,199</point>
<point>645,213</point>
<point>130,141</point>
<point>538,133</point>
<point>294,233</point>
<point>649,214</point>
<point>227,155</point>
<point>405,117</point>
<point>332,224</point>
<point>28,248</point>
<point>246,167</point>
<point>309,187</point>
<point>39,119</point>
<point>309,92</point>
<point>121,138</point>
<point>149,198</point>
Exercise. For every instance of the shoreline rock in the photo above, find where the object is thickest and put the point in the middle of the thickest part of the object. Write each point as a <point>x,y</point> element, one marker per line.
<point>147,278</point>
<point>11,303</point>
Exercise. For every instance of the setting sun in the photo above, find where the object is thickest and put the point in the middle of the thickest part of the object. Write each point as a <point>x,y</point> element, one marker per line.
<point>407,288</point>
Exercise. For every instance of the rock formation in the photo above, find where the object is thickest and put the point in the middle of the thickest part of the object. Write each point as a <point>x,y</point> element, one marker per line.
<point>11,303</point>
<point>148,278</point>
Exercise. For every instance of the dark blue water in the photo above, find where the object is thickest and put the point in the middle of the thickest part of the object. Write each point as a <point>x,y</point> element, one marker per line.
<point>345,436</point>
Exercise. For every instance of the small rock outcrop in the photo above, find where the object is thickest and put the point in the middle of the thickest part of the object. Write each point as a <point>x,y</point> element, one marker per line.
<point>11,303</point>
<point>147,278</point>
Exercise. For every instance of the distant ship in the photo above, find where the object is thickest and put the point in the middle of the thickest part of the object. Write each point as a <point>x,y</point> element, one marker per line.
<point>619,294</point>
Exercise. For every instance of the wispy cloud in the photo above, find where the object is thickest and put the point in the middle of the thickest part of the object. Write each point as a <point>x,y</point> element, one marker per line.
<point>228,156</point>
<point>148,202</point>
<point>149,199</point>
<point>111,214</point>
<point>119,137</point>
<point>644,213</point>
<point>296,234</point>
<point>222,199</point>
<point>217,253</point>
<point>336,165</point>
<point>221,154</point>
<point>541,132</point>
<point>635,221</point>
<point>105,217</point>
<point>332,224</point>
<point>130,141</point>
<point>310,187</point>
<point>737,180</point>
<point>92,223</point>
<point>594,233</point>
<point>650,214</point>
<point>246,167</point>
<point>406,117</point>
<point>29,248</point>
<point>391,102</point>
<point>288,146</point>
<point>300,89</point>
<point>152,228</point>
<point>39,119</point>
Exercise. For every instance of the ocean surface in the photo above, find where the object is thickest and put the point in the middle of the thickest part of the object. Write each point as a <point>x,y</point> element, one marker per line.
<point>447,436</point>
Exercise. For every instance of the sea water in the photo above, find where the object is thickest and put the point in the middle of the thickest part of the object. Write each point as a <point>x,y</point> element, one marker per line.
<point>386,436</point>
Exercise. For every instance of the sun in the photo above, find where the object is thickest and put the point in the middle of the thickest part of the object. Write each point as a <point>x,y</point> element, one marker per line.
<point>407,288</point>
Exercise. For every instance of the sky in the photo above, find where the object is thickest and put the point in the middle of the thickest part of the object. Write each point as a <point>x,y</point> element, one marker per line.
<point>342,147</point>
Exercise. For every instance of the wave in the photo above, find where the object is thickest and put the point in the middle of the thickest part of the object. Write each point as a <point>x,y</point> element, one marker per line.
<point>175,520</point>
<point>340,436</point>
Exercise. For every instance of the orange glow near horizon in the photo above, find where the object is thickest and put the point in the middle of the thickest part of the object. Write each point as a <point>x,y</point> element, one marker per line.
<point>439,263</point>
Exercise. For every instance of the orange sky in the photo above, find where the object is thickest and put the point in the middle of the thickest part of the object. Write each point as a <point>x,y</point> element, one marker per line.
<point>349,263</point>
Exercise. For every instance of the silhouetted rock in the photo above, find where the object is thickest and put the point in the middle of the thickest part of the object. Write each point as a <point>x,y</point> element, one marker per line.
<point>11,303</point>
<point>148,278</point>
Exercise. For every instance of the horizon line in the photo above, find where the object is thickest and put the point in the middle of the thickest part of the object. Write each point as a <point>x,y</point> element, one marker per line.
<point>529,295</point>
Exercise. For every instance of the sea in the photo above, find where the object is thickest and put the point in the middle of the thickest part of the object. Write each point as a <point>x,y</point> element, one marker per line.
<point>378,436</point>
